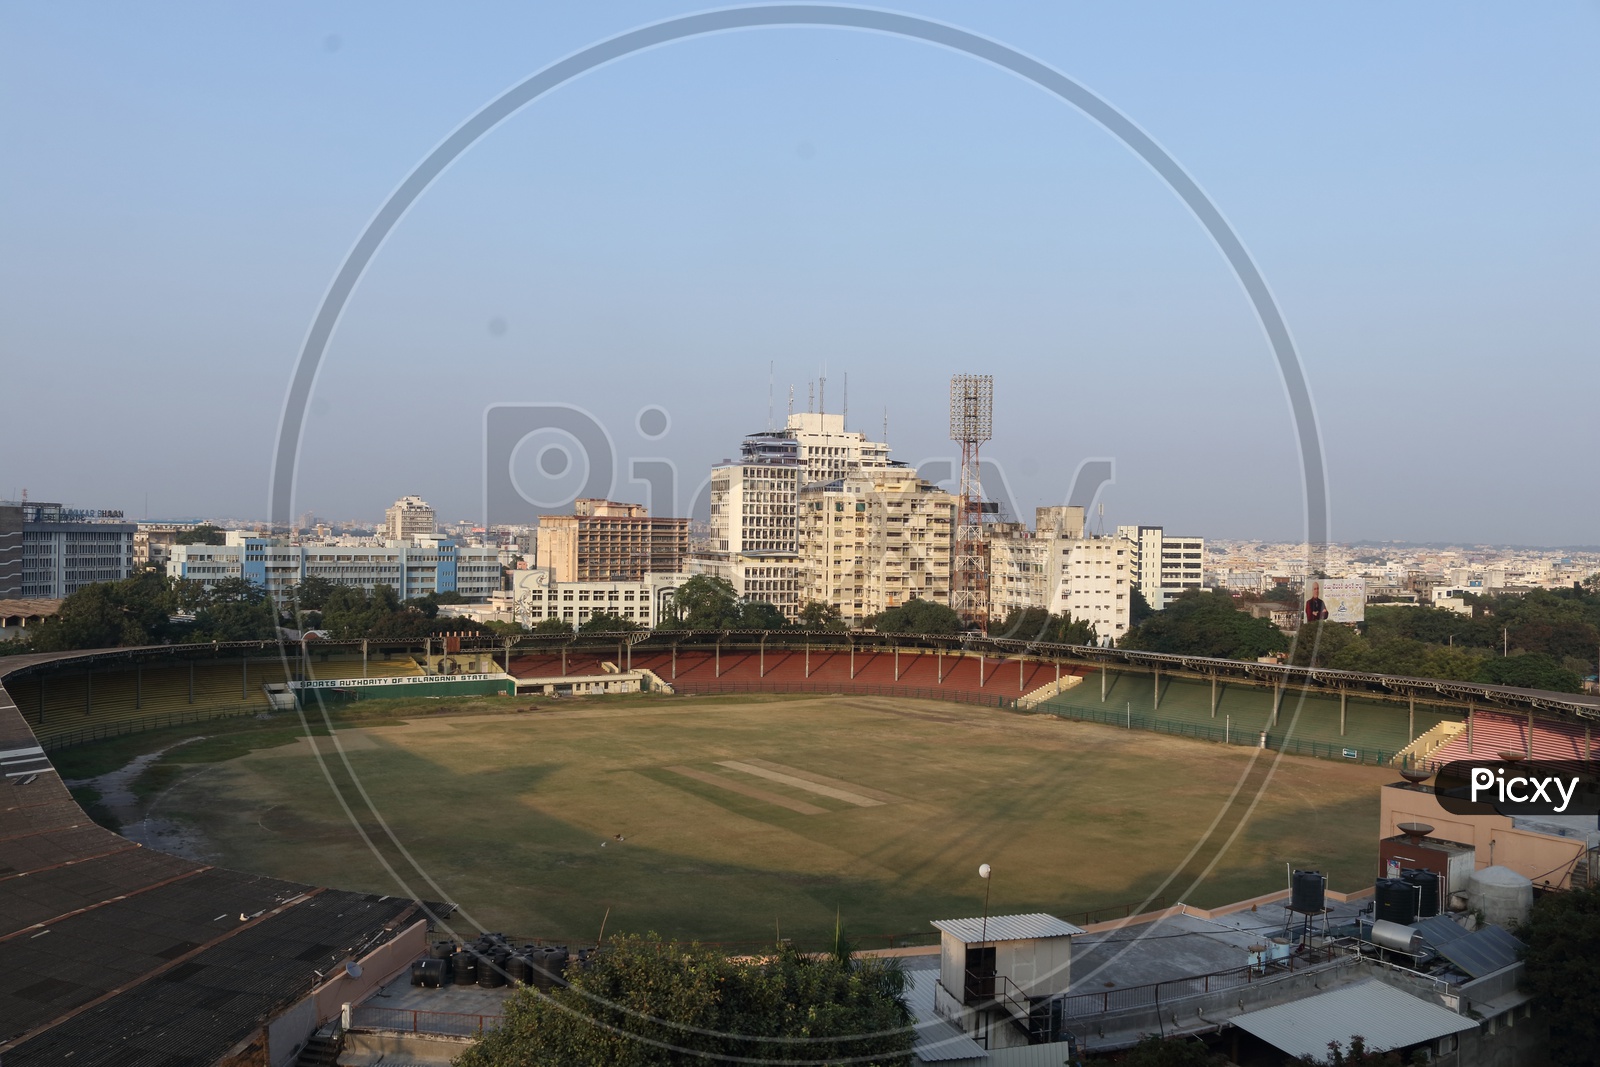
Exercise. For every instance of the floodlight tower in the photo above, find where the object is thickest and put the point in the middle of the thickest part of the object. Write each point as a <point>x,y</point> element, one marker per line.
<point>971,423</point>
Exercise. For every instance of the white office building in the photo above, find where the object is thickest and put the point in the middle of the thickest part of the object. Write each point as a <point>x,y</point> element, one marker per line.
<point>50,551</point>
<point>537,596</point>
<point>411,569</point>
<point>1165,565</point>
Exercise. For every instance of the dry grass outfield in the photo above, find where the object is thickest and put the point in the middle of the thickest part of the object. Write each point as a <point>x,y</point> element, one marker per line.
<point>508,813</point>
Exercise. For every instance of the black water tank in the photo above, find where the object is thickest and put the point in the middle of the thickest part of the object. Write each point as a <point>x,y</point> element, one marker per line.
<point>1396,901</point>
<point>1428,884</point>
<point>464,967</point>
<point>442,950</point>
<point>520,968</point>
<point>1306,892</point>
<point>428,973</point>
<point>490,975</point>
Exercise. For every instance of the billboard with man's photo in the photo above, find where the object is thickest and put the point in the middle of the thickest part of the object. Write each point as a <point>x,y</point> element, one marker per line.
<point>1337,600</point>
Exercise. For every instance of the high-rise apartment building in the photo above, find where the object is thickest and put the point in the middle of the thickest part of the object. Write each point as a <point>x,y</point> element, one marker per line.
<point>408,519</point>
<point>874,540</point>
<point>753,537</point>
<point>603,539</point>
<point>1165,565</point>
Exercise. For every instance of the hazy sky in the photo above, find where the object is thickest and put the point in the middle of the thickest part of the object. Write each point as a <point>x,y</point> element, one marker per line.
<point>1417,182</point>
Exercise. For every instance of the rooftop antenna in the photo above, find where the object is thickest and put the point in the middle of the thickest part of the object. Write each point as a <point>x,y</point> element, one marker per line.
<point>822,391</point>
<point>811,397</point>
<point>886,422</point>
<point>844,420</point>
<point>791,398</point>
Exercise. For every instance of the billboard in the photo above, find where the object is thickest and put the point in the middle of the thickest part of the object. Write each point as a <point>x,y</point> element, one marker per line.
<point>1342,599</point>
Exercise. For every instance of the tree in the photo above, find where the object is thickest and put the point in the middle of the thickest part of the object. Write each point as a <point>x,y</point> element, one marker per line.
<point>606,623</point>
<point>204,534</point>
<point>311,593</point>
<point>1356,1055</point>
<point>917,616</point>
<point>1202,623</point>
<point>235,610</point>
<point>1153,1051</point>
<point>759,615</point>
<point>705,602</point>
<point>638,994</point>
<point>1025,624</point>
<point>133,611</point>
<point>1530,670</point>
<point>1139,608</point>
<point>821,615</point>
<point>1563,970</point>
<point>553,628</point>
<point>1036,624</point>
<point>1327,640</point>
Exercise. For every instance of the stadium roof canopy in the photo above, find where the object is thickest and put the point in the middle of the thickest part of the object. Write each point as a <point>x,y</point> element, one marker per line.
<point>116,954</point>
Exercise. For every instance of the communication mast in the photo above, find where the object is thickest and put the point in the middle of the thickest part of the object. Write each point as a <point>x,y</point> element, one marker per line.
<point>971,424</point>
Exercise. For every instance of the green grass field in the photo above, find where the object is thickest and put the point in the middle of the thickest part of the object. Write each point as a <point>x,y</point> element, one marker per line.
<point>875,809</point>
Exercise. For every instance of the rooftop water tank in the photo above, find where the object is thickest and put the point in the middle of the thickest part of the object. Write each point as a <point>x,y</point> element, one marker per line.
<point>1396,901</point>
<point>1306,892</point>
<point>1503,895</point>
<point>1428,883</point>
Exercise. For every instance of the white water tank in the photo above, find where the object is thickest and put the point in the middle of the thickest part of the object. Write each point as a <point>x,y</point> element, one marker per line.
<point>1503,895</point>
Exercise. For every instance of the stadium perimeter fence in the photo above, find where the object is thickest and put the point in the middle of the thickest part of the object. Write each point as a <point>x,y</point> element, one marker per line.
<point>159,721</point>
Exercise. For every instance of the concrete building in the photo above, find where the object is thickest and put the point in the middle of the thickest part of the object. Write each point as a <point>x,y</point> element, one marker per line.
<point>753,532</point>
<point>1057,568</point>
<point>874,540</point>
<point>1090,579</point>
<point>408,519</point>
<point>1164,565</point>
<point>414,569</point>
<point>538,595</point>
<point>51,551</point>
<point>603,539</point>
<point>153,541</point>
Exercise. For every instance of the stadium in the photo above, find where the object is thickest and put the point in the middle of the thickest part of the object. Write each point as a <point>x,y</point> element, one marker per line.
<point>473,782</point>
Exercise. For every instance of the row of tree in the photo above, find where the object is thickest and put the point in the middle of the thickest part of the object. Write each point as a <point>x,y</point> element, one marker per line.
<point>1544,640</point>
<point>640,1001</point>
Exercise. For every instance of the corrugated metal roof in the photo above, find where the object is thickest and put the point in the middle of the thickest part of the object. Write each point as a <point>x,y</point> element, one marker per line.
<point>1006,928</point>
<point>1482,951</point>
<point>1388,1018</point>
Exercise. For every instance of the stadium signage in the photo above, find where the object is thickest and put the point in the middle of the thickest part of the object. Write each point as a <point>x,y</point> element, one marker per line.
<point>351,683</point>
<point>1521,787</point>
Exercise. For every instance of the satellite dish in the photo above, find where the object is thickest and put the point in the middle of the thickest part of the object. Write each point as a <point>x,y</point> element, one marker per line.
<point>983,870</point>
<point>352,969</point>
<point>1416,775</point>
